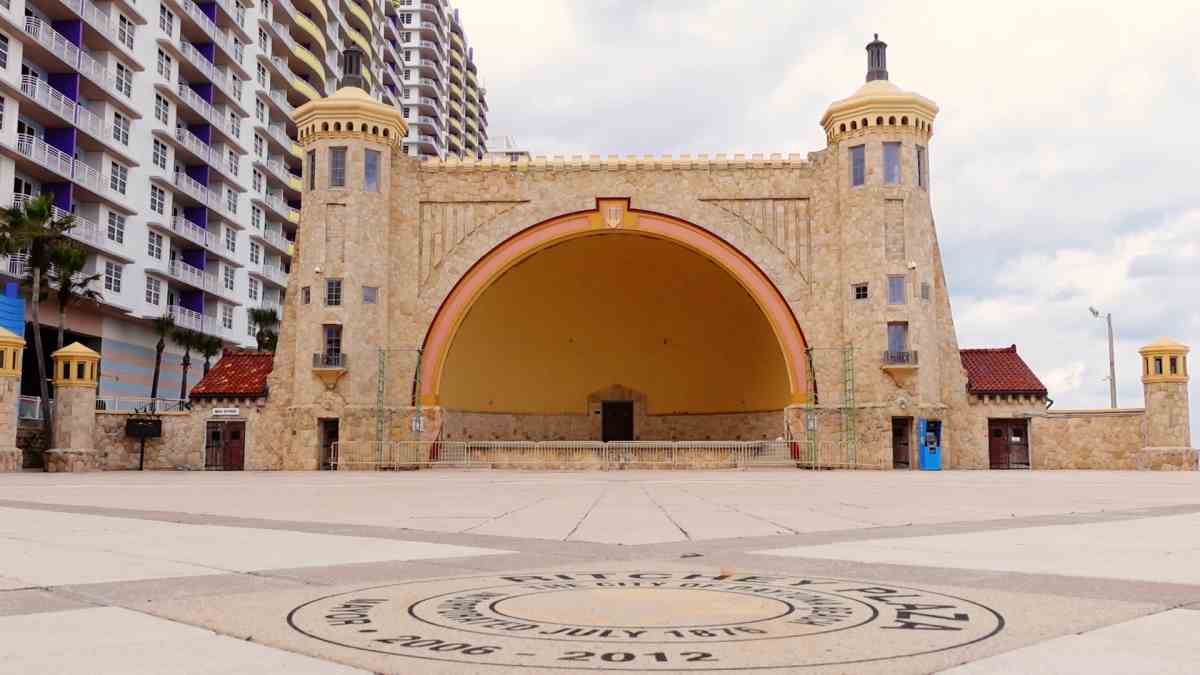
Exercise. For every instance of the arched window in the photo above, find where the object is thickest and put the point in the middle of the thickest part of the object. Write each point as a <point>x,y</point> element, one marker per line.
<point>324,126</point>
<point>853,125</point>
<point>385,132</point>
<point>337,126</point>
<point>843,128</point>
<point>878,121</point>
<point>892,120</point>
<point>904,121</point>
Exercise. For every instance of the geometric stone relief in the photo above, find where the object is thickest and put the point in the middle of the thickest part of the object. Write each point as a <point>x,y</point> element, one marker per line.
<point>784,222</point>
<point>444,225</point>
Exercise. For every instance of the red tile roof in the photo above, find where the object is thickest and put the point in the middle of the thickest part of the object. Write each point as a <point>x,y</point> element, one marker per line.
<point>239,374</point>
<point>999,371</point>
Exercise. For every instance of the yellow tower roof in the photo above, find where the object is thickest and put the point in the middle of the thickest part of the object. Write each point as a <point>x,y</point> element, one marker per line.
<point>1165,344</point>
<point>350,113</point>
<point>9,338</point>
<point>75,350</point>
<point>879,103</point>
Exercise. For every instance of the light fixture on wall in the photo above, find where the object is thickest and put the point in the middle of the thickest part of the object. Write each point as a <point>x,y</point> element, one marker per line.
<point>317,269</point>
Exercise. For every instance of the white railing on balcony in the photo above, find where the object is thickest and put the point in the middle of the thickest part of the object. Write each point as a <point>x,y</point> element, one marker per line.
<point>186,318</point>
<point>275,274</point>
<point>280,99</point>
<point>283,68</point>
<point>206,110</point>
<point>192,187</point>
<point>100,20</point>
<point>45,154</point>
<point>218,76</point>
<point>140,404</point>
<point>84,230</point>
<point>279,170</point>
<point>61,47</point>
<point>90,122</point>
<point>192,275</point>
<point>211,29</point>
<point>53,99</point>
<point>193,232</point>
<point>276,239</point>
<point>192,142</point>
<point>276,202</point>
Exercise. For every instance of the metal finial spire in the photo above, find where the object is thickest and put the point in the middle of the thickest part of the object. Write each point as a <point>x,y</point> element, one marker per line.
<point>352,69</point>
<point>877,60</point>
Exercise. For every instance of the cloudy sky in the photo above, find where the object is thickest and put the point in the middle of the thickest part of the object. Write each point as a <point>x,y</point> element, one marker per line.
<point>1065,169</point>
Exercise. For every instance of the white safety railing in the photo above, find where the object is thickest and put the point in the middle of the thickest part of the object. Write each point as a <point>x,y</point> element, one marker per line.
<point>30,407</point>
<point>140,404</point>
<point>370,455</point>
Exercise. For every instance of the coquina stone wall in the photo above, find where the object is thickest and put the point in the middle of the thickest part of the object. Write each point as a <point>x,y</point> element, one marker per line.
<point>477,426</point>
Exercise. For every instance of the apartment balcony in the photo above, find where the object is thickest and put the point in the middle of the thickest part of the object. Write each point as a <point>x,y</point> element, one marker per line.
<point>899,364</point>
<point>61,164</point>
<point>209,114</point>
<point>278,138</point>
<point>221,80</point>
<point>190,149</point>
<point>193,233</point>
<point>211,31</point>
<point>361,41</point>
<point>275,275</point>
<point>277,205</point>
<point>279,98</point>
<point>104,26</point>
<point>192,276</point>
<point>186,318</point>
<point>305,89</point>
<point>85,231</point>
<point>98,82</point>
<point>276,240</point>
<point>306,24</point>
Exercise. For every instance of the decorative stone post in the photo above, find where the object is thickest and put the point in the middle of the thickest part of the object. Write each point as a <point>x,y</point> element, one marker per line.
<point>1165,381</point>
<point>11,346</point>
<point>75,376</point>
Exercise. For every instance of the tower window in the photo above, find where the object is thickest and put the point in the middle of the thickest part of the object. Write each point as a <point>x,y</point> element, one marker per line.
<point>333,292</point>
<point>922,167</point>
<point>1158,365</point>
<point>891,163</point>
<point>858,165</point>
<point>337,167</point>
<point>371,171</point>
<point>860,291</point>
<point>897,336</point>
<point>896,289</point>
<point>1174,365</point>
<point>311,168</point>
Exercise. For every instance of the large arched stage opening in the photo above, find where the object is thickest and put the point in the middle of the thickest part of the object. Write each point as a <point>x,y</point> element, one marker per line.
<point>613,304</point>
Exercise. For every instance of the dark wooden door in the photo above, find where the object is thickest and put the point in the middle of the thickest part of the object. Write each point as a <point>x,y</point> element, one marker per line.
<point>329,439</point>
<point>901,442</point>
<point>616,421</point>
<point>1008,444</point>
<point>225,446</point>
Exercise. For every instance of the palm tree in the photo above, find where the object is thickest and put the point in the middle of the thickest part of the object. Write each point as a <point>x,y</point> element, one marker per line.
<point>32,226</point>
<point>189,340</point>
<point>210,346</point>
<point>266,319</point>
<point>66,277</point>
<point>164,327</point>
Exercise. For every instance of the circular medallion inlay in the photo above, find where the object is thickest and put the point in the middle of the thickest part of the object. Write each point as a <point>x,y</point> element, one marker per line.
<point>646,620</point>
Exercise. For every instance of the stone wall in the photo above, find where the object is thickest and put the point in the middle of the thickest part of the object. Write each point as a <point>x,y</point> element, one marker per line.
<point>181,445</point>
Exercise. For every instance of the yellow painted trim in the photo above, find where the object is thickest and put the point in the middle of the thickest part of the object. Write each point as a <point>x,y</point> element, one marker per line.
<point>305,88</point>
<point>295,183</point>
<point>311,28</point>
<point>309,58</point>
<point>361,41</point>
<point>297,150</point>
<point>362,16</point>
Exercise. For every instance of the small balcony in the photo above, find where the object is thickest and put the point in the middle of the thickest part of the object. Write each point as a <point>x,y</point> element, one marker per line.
<point>329,366</point>
<point>899,363</point>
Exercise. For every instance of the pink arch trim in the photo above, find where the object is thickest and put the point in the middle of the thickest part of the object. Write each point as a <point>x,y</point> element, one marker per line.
<point>529,241</point>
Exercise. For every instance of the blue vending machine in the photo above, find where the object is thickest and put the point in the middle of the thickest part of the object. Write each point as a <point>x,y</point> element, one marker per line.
<point>929,443</point>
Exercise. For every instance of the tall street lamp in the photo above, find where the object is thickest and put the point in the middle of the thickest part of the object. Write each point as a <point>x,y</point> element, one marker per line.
<point>1112,363</point>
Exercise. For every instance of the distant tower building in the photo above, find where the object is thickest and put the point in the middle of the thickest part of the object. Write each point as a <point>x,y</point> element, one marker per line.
<point>1165,379</point>
<point>506,148</point>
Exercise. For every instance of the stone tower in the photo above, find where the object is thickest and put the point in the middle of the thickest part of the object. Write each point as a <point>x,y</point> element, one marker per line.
<point>11,346</point>
<point>1165,380</point>
<point>339,300</point>
<point>76,373</point>
<point>897,311</point>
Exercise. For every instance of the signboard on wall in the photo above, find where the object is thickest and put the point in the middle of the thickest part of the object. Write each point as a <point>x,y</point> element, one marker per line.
<point>225,412</point>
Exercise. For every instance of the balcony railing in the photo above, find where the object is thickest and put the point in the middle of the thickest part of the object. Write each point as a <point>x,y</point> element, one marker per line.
<point>61,47</point>
<point>329,360</point>
<point>193,232</point>
<point>206,110</point>
<point>277,240</point>
<point>192,187</point>
<point>209,27</point>
<point>84,230</point>
<point>51,98</point>
<point>187,318</point>
<point>891,358</point>
<point>275,274</point>
<point>280,98</point>
<point>192,275</point>
<point>218,76</point>
<point>198,147</point>
<point>45,154</point>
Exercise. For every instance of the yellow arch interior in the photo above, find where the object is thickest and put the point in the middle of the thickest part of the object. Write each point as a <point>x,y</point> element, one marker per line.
<point>615,308</point>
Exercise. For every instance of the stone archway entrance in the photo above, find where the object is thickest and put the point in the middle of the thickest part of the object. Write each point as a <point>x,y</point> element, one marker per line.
<point>578,314</point>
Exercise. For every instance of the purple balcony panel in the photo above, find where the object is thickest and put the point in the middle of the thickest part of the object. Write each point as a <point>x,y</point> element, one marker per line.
<point>200,173</point>
<point>72,29</point>
<point>193,300</point>
<point>207,49</point>
<point>197,214</point>
<point>64,194</point>
<point>194,257</point>
<point>203,89</point>
<point>66,83</point>
<point>202,131</point>
<point>62,138</point>
<point>209,9</point>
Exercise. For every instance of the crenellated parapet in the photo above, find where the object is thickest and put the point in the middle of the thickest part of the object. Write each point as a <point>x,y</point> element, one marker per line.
<point>701,162</point>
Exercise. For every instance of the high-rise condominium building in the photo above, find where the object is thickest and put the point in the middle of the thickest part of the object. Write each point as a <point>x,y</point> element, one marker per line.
<point>164,127</point>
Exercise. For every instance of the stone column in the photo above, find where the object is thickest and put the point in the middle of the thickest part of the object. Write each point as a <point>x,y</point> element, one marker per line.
<point>1168,429</point>
<point>11,346</point>
<point>73,449</point>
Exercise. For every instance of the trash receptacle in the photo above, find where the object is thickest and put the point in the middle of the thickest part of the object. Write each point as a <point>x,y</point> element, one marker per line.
<point>929,433</point>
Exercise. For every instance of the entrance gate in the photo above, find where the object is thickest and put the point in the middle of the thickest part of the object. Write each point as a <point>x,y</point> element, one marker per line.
<point>225,446</point>
<point>1008,444</point>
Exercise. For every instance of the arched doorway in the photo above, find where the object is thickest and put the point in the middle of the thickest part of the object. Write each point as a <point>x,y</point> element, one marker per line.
<point>590,317</point>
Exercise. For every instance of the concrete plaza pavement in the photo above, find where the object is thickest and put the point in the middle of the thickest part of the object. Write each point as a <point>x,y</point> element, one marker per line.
<point>491,571</point>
